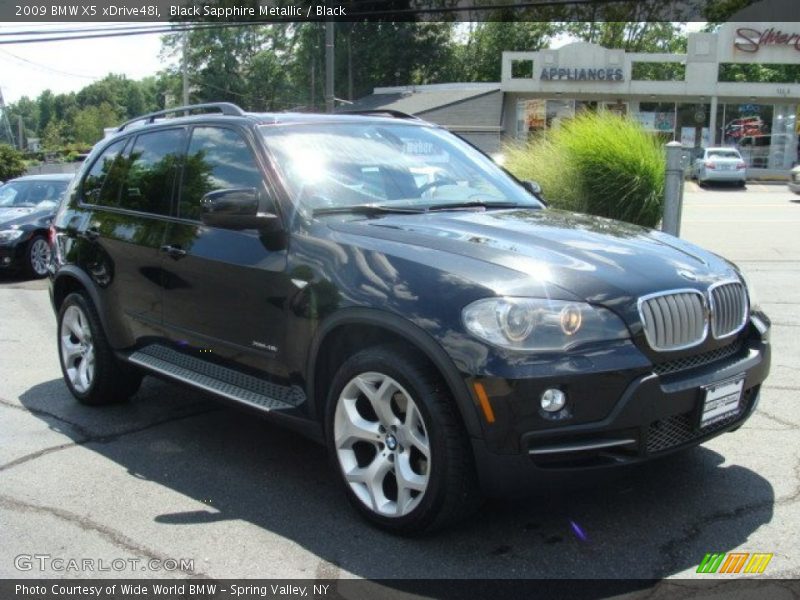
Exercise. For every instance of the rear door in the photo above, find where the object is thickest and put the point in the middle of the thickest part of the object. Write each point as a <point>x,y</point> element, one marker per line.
<point>130,189</point>
<point>225,290</point>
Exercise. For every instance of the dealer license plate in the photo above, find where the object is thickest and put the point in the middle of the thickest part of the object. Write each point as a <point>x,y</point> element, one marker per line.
<point>722,400</point>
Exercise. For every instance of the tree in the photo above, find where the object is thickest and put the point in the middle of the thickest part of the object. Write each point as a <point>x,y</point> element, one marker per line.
<point>632,37</point>
<point>89,122</point>
<point>11,163</point>
<point>52,137</point>
<point>481,58</point>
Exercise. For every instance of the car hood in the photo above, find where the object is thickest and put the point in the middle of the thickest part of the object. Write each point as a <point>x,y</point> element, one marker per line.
<point>598,260</point>
<point>22,215</point>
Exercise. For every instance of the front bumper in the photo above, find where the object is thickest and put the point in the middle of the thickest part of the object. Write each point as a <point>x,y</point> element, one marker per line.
<point>12,256</point>
<point>654,415</point>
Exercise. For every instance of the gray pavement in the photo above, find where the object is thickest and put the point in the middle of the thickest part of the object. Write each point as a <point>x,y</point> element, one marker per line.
<point>173,474</point>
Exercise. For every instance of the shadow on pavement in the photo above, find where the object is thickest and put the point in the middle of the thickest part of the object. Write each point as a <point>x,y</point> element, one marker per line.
<point>651,521</point>
<point>722,186</point>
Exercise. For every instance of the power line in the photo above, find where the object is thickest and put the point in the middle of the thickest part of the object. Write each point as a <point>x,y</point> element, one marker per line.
<point>91,29</point>
<point>52,69</point>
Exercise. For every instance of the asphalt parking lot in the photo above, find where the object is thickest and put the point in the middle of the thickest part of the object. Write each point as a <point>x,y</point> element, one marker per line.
<point>176,475</point>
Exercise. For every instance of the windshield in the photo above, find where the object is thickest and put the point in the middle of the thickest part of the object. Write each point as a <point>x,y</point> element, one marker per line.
<point>41,194</point>
<point>339,165</point>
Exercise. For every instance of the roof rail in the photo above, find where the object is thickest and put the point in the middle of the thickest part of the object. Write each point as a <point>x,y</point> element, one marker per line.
<point>226,108</point>
<point>395,114</point>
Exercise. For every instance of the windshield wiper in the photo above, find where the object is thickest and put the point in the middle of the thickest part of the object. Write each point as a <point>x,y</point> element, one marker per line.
<point>364,209</point>
<point>476,204</point>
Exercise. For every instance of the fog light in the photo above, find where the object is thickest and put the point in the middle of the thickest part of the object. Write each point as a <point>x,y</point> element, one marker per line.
<point>553,400</point>
<point>6,260</point>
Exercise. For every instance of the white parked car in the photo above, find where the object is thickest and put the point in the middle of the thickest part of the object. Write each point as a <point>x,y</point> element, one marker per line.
<point>720,164</point>
<point>794,180</point>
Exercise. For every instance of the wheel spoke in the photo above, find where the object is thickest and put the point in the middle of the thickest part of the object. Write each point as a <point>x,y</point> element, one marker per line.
<point>380,399</point>
<point>371,477</point>
<point>406,477</point>
<point>413,424</point>
<point>70,350</point>
<point>82,374</point>
<point>355,428</point>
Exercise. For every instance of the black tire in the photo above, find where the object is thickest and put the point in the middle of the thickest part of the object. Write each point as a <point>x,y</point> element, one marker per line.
<point>112,381</point>
<point>33,257</point>
<point>452,489</point>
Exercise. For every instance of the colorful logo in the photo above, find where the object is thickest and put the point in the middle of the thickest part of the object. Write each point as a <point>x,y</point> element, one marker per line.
<point>734,562</point>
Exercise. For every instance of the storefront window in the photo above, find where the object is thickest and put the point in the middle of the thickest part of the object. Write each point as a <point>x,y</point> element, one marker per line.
<point>765,134</point>
<point>534,117</point>
<point>658,117</point>
<point>558,111</point>
<point>692,126</point>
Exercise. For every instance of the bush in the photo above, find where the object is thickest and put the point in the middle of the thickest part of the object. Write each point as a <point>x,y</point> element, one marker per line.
<point>601,164</point>
<point>11,163</point>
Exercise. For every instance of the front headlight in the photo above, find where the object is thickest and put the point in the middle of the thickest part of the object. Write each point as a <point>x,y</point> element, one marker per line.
<point>541,324</point>
<point>751,291</point>
<point>9,235</point>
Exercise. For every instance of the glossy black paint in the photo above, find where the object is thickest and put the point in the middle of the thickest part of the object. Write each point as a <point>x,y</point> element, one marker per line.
<point>268,302</point>
<point>32,220</point>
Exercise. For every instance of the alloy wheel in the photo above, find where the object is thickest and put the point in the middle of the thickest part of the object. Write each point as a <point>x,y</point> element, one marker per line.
<point>77,349</point>
<point>382,444</point>
<point>40,256</point>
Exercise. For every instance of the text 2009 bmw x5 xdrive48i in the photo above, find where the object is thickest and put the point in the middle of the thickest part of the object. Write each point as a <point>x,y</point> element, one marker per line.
<point>378,284</point>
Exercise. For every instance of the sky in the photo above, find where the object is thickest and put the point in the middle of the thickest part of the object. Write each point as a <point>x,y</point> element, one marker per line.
<point>29,69</point>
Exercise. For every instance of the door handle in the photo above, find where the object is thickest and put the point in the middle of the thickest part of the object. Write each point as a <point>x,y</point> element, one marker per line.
<point>174,251</point>
<point>91,234</point>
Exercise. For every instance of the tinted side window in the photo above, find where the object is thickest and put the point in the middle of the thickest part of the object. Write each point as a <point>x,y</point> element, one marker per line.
<point>218,159</point>
<point>151,166</point>
<point>101,185</point>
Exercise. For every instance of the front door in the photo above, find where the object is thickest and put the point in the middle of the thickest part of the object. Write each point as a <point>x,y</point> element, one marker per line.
<point>224,290</point>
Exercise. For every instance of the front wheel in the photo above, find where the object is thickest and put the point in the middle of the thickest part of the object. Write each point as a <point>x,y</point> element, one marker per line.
<point>37,257</point>
<point>398,442</point>
<point>91,371</point>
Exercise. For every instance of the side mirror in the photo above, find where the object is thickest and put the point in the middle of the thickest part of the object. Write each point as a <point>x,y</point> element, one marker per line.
<point>533,187</point>
<point>236,208</point>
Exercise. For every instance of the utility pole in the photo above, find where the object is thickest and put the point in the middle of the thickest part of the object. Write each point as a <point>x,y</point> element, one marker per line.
<point>313,84</point>
<point>330,101</point>
<point>185,69</point>
<point>21,134</point>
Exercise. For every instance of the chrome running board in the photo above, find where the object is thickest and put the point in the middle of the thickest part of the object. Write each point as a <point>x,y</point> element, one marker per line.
<point>216,379</point>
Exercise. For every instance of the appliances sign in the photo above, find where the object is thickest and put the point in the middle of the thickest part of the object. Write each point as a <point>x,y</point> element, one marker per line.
<point>580,74</point>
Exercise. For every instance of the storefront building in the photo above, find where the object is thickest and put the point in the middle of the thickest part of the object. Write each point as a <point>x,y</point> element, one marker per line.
<point>680,97</point>
<point>685,97</point>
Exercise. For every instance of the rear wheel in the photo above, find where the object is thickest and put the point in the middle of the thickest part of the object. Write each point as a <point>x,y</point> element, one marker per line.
<point>37,257</point>
<point>91,371</point>
<point>398,443</point>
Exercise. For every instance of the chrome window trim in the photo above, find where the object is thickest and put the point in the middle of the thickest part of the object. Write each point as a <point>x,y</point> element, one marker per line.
<point>706,317</point>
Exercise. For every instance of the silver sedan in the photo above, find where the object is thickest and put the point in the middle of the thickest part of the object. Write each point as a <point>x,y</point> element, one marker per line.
<point>720,164</point>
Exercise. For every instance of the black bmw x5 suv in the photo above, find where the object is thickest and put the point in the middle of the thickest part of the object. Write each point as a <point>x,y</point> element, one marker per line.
<point>378,284</point>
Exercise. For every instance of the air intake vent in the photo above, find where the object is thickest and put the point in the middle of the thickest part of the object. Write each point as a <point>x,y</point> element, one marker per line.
<point>728,308</point>
<point>674,320</point>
